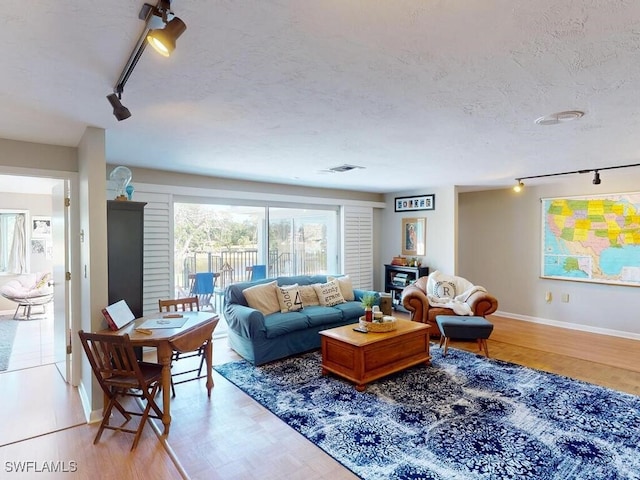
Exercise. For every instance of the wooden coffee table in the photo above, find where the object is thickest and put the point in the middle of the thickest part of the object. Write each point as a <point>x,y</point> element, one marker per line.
<point>364,357</point>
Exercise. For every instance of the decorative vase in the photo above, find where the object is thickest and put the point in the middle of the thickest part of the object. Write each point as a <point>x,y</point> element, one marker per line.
<point>130,189</point>
<point>368,314</point>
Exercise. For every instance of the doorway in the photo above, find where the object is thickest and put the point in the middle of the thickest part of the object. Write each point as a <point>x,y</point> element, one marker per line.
<point>34,341</point>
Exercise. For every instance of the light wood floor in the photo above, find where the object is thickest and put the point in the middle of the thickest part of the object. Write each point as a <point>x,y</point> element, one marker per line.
<point>232,437</point>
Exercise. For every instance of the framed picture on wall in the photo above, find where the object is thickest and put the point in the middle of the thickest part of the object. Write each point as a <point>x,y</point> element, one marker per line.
<point>417,202</point>
<point>40,227</point>
<point>414,236</point>
<point>38,247</point>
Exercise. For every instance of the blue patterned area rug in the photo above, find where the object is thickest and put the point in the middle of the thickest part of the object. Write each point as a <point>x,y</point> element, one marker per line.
<point>465,417</point>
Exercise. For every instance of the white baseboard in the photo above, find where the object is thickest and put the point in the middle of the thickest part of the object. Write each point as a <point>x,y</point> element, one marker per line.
<point>569,326</point>
<point>92,416</point>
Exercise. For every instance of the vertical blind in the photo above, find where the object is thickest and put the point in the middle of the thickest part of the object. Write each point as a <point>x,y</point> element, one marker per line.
<point>357,245</point>
<point>158,253</point>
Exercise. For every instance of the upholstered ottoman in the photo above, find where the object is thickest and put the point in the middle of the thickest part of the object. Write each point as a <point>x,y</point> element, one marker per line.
<point>465,328</point>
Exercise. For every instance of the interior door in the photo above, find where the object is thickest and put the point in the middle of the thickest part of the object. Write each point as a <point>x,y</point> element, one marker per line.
<point>61,290</point>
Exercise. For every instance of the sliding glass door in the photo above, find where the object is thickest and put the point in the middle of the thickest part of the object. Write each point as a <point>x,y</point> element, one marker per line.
<point>230,239</point>
<point>302,241</point>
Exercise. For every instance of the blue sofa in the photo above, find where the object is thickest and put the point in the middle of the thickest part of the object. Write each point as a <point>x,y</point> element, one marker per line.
<point>263,338</point>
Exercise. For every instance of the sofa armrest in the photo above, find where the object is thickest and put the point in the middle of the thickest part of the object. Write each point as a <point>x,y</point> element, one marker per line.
<point>482,303</point>
<point>415,301</point>
<point>245,321</point>
<point>359,293</point>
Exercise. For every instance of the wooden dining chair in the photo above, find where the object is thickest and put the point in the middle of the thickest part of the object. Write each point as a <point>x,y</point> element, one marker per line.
<point>120,374</point>
<point>187,304</point>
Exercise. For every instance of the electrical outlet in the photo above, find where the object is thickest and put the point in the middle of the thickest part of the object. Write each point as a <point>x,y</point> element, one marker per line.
<point>548,297</point>
<point>565,297</point>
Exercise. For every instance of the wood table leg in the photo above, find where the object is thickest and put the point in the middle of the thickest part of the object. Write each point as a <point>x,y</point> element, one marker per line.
<point>208,352</point>
<point>164,358</point>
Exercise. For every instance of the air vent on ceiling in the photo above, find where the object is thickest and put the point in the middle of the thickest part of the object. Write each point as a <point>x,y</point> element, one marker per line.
<point>345,167</point>
<point>560,117</point>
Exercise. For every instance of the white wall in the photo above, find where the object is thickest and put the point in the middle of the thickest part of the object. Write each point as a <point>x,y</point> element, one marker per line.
<point>93,258</point>
<point>37,205</point>
<point>441,231</point>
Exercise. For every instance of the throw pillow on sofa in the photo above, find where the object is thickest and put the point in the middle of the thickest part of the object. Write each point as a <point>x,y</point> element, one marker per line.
<point>263,297</point>
<point>346,287</point>
<point>289,298</point>
<point>329,293</point>
<point>308,295</point>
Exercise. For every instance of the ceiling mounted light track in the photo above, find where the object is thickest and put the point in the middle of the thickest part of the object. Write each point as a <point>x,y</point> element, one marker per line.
<point>163,40</point>
<point>596,175</point>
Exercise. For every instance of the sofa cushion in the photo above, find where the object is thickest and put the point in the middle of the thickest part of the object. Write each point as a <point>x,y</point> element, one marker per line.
<point>278,323</point>
<point>289,298</point>
<point>308,295</point>
<point>319,315</point>
<point>263,297</point>
<point>346,286</point>
<point>351,310</point>
<point>329,293</point>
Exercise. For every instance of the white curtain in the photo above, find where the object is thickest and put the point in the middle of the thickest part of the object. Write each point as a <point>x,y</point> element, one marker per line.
<point>18,254</point>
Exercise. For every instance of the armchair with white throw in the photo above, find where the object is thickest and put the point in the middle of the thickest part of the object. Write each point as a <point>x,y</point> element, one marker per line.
<point>441,294</point>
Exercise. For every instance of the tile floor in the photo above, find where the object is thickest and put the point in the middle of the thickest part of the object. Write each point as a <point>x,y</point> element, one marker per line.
<point>33,343</point>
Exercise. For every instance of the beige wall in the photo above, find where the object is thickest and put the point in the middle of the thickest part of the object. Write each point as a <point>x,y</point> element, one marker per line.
<point>499,248</point>
<point>228,187</point>
<point>38,156</point>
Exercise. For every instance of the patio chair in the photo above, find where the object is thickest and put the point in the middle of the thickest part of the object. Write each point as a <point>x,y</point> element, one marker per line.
<point>203,286</point>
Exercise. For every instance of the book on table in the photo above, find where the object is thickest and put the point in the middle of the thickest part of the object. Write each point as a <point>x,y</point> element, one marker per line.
<point>118,315</point>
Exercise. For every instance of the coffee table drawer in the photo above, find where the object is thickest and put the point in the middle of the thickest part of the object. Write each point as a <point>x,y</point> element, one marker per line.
<point>393,352</point>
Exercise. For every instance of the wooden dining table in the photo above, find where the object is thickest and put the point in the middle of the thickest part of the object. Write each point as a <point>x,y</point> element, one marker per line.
<point>196,331</point>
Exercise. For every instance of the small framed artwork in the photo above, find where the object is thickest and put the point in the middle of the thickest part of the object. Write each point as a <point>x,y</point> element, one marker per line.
<point>414,236</point>
<point>38,247</point>
<point>40,227</point>
<point>417,202</point>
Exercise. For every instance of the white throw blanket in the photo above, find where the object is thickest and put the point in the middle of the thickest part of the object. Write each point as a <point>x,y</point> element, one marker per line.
<point>442,291</point>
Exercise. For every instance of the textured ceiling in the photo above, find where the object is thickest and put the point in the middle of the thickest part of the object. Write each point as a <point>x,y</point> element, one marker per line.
<point>419,92</point>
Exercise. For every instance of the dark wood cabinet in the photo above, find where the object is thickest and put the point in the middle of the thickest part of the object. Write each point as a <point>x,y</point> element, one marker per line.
<point>397,277</point>
<point>125,252</point>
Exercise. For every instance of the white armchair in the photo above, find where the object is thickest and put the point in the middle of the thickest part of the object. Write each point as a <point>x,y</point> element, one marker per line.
<point>28,290</point>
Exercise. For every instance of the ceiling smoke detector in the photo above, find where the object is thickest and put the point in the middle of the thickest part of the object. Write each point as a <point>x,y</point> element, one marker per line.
<point>560,117</point>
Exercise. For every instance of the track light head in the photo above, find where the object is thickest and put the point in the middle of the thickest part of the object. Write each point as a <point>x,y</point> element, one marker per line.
<point>519,186</point>
<point>120,111</point>
<point>596,178</point>
<point>164,40</point>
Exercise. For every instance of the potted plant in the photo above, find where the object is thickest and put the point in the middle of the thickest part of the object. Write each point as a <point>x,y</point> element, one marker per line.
<point>368,301</point>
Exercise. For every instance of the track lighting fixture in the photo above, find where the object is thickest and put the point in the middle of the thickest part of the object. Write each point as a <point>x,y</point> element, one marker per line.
<point>120,111</point>
<point>163,40</point>
<point>596,175</point>
<point>596,178</point>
